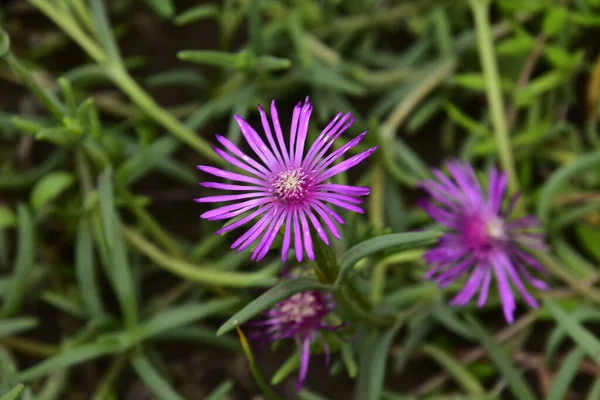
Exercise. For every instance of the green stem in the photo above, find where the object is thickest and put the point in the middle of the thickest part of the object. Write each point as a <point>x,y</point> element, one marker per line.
<point>109,379</point>
<point>376,199</point>
<point>159,234</point>
<point>211,275</point>
<point>71,27</point>
<point>125,82</point>
<point>581,286</point>
<point>350,298</point>
<point>480,9</point>
<point>379,270</point>
<point>140,98</point>
<point>346,301</point>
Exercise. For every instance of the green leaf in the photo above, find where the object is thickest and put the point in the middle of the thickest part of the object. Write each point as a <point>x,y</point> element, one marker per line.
<point>222,59</point>
<point>272,296</point>
<point>14,393</point>
<point>270,63</point>
<point>419,329</point>
<point>594,392</point>
<point>540,85</point>
<point>555,20</point>
<point>177,77</point>
<point>465,121</point>
<point>68,358</point>
<point>23,266</point>
<point>12,326</point>
<point>7,217</point>
<point>447,317</point>
<point>328,78</point>
<point>255,27</point>
<point>57,135</point>
<point>348,359</point>
<point>197,13</point>
<point>455,369</point>
<point>164,8</point>
<point>568,370</point>
<point>585,19</point>
<point>396,241</point>
<point>476,82</point>
<point>85,270</point>
<point>47,98</point>
<point>260,380</point>
<point>104,30</point>
<point>4,43</point>
<point>518,45</point>
<point>562,59</point>
<point>586,340</point>
<point>559,178</point>
<point>306,394</point>
<point>177,317</point>
<point>373,358</point>
<point>50,187</point>
<point>286,369</point>
<point>221,391</point>
<point>198,335</point>
<point>118,265</point>
<point>152,379</point>
<point>66,304</point>
<point>513,377</point>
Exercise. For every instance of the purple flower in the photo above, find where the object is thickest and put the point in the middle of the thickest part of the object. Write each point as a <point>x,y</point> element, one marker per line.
<point>287,187</point>
<point>484,241</point>
<point>300,317</point>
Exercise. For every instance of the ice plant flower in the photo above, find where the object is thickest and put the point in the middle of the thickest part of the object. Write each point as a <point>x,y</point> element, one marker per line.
<point>286,186</point>
<point>299,317</point>
<point>484,242</point>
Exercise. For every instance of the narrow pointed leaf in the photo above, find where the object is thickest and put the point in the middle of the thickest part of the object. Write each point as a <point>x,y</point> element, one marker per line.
<point>396,241</point>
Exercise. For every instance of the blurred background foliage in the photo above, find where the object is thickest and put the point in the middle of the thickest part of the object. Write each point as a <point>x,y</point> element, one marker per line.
<point>109,290</point>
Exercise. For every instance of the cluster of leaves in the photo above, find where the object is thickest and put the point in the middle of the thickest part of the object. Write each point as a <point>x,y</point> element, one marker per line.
<point>344,55</point>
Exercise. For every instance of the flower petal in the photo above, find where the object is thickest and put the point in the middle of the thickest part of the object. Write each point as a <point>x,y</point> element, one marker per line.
<point>308,246</point>
<point>265,244</point>
<point>247,218</point>
<point>232,210</point>
<point>285,246</point>
<point>297,237</point>
<point>322,211</point>
<point>344,189</point>
<point>230,175</point>
<point>229,145</point>
<point>256,143</point>
<point>302,132</point>
<point>227,186</point>
<point>230,197</point>
<point>330,159</point>
<point>279,133</point>
<point>325,141</point>
<point>345,165</point>
<point>267,128</point>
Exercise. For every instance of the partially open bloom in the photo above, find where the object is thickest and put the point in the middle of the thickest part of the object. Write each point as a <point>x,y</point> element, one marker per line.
<point>286,187</point>
<point>300,317</point>
<point>484,241</point>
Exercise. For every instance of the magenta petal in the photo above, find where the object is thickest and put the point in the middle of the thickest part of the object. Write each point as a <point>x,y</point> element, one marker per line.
<point>227,186</point>
<point>304,359</point>
<point>297,237</point>
<point>285,247</point>
<point>279,133</point>
<point>308,246</point>
<point>230,175</point>
<point>346,165</point>
<point>229,197</point>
